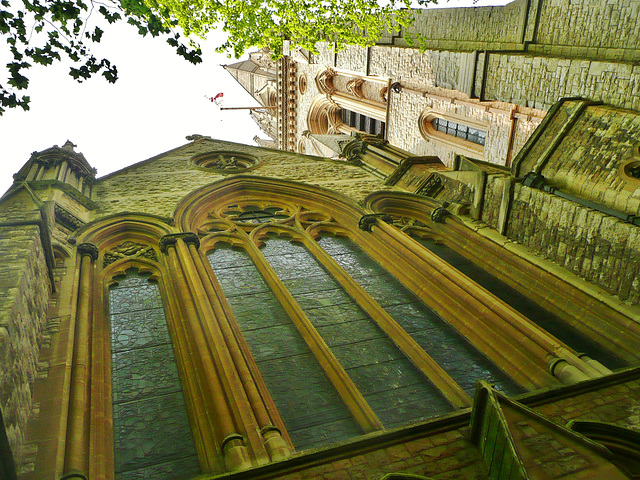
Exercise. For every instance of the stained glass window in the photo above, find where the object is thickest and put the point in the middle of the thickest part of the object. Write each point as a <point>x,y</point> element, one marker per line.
<point>394,388</point>
<point>444,344</point>
<point>152,437</point>
<point>534,312</point>
<point>309,405</point>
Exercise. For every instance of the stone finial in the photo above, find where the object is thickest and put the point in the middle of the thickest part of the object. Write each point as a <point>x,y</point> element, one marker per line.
<point>69,146</point>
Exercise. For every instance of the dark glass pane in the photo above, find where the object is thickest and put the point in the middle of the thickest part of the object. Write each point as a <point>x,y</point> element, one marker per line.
<point>440,125</point>
<point>525,306</point>
<point>366,127</point>
<point>443,343</point>
<point>391,384</point>
<point>377,127</point>
<point>460,131</point>
<point>312,410</point>
<point>260,216</point>
<point>151,430</point>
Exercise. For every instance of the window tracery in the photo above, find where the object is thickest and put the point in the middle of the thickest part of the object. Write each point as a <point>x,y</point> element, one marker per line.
<point>225,162</point>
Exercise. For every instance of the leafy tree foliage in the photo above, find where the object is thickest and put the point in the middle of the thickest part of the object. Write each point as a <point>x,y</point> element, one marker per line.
<point>45,31</point>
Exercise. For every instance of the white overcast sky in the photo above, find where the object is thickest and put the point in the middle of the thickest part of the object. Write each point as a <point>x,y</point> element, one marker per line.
<point>157,101</point>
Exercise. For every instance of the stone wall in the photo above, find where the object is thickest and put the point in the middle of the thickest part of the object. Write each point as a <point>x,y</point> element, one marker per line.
<point>403,130</point>
<point>589,159</point>
<point>414,69</point>
<point>483,28</point>
<point>600,248</point>
<point>595,29</point>
<point>156,186</point>
<point>24,294</point>
<point>352,57</point>
<point>538,81</point>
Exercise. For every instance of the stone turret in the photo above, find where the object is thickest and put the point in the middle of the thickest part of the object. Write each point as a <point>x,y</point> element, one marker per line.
<point>59,164</point>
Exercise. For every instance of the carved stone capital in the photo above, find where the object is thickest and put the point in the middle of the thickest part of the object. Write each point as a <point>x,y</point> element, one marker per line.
<point>88,249</point>
<point>171,239</point>
<point>167,241</point>
<point>439,214</point>
<point>191,238</point>
<point>74,475</point>
<point>367,221</point>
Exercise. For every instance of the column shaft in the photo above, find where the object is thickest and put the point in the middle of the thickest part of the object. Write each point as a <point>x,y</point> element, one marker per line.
<point>76,461</point>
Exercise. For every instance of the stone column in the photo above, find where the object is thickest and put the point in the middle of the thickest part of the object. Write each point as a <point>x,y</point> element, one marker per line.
<point>566,373</point>
<point>209,370</point>
<point>76,458</point>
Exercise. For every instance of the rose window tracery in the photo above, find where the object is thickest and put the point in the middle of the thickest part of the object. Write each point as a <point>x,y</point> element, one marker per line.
<point>225,162</point>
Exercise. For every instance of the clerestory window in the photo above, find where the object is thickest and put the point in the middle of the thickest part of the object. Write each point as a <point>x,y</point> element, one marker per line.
<point>464,132</point>
<point>461,135</point>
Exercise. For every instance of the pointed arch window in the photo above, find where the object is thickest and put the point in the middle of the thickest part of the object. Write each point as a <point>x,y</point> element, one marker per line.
<point>325,323</point>
<point>503,274</point>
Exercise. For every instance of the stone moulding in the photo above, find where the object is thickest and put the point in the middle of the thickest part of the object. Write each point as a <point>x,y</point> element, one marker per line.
<point>128,249</point>
<point>67,219</point>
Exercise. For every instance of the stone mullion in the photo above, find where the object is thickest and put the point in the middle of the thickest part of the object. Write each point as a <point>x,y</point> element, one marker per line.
<point>218,350</point>
<point>231,442</point>
<point>76,458</point>
<point>508,325</point>
<point>620,333</point>
<point>458,299</point>
<point>352,397</point>
<point>274,443</point>
<point>407,345</point>
<point>203,427</point>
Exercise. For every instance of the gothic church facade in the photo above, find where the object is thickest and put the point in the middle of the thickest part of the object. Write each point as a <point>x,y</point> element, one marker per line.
<point>434,275</point>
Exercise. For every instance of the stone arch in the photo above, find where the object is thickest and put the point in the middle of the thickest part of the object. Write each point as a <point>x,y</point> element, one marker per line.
<point>108,231</point>
<point>324,117</point>
<point>193,210</point>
